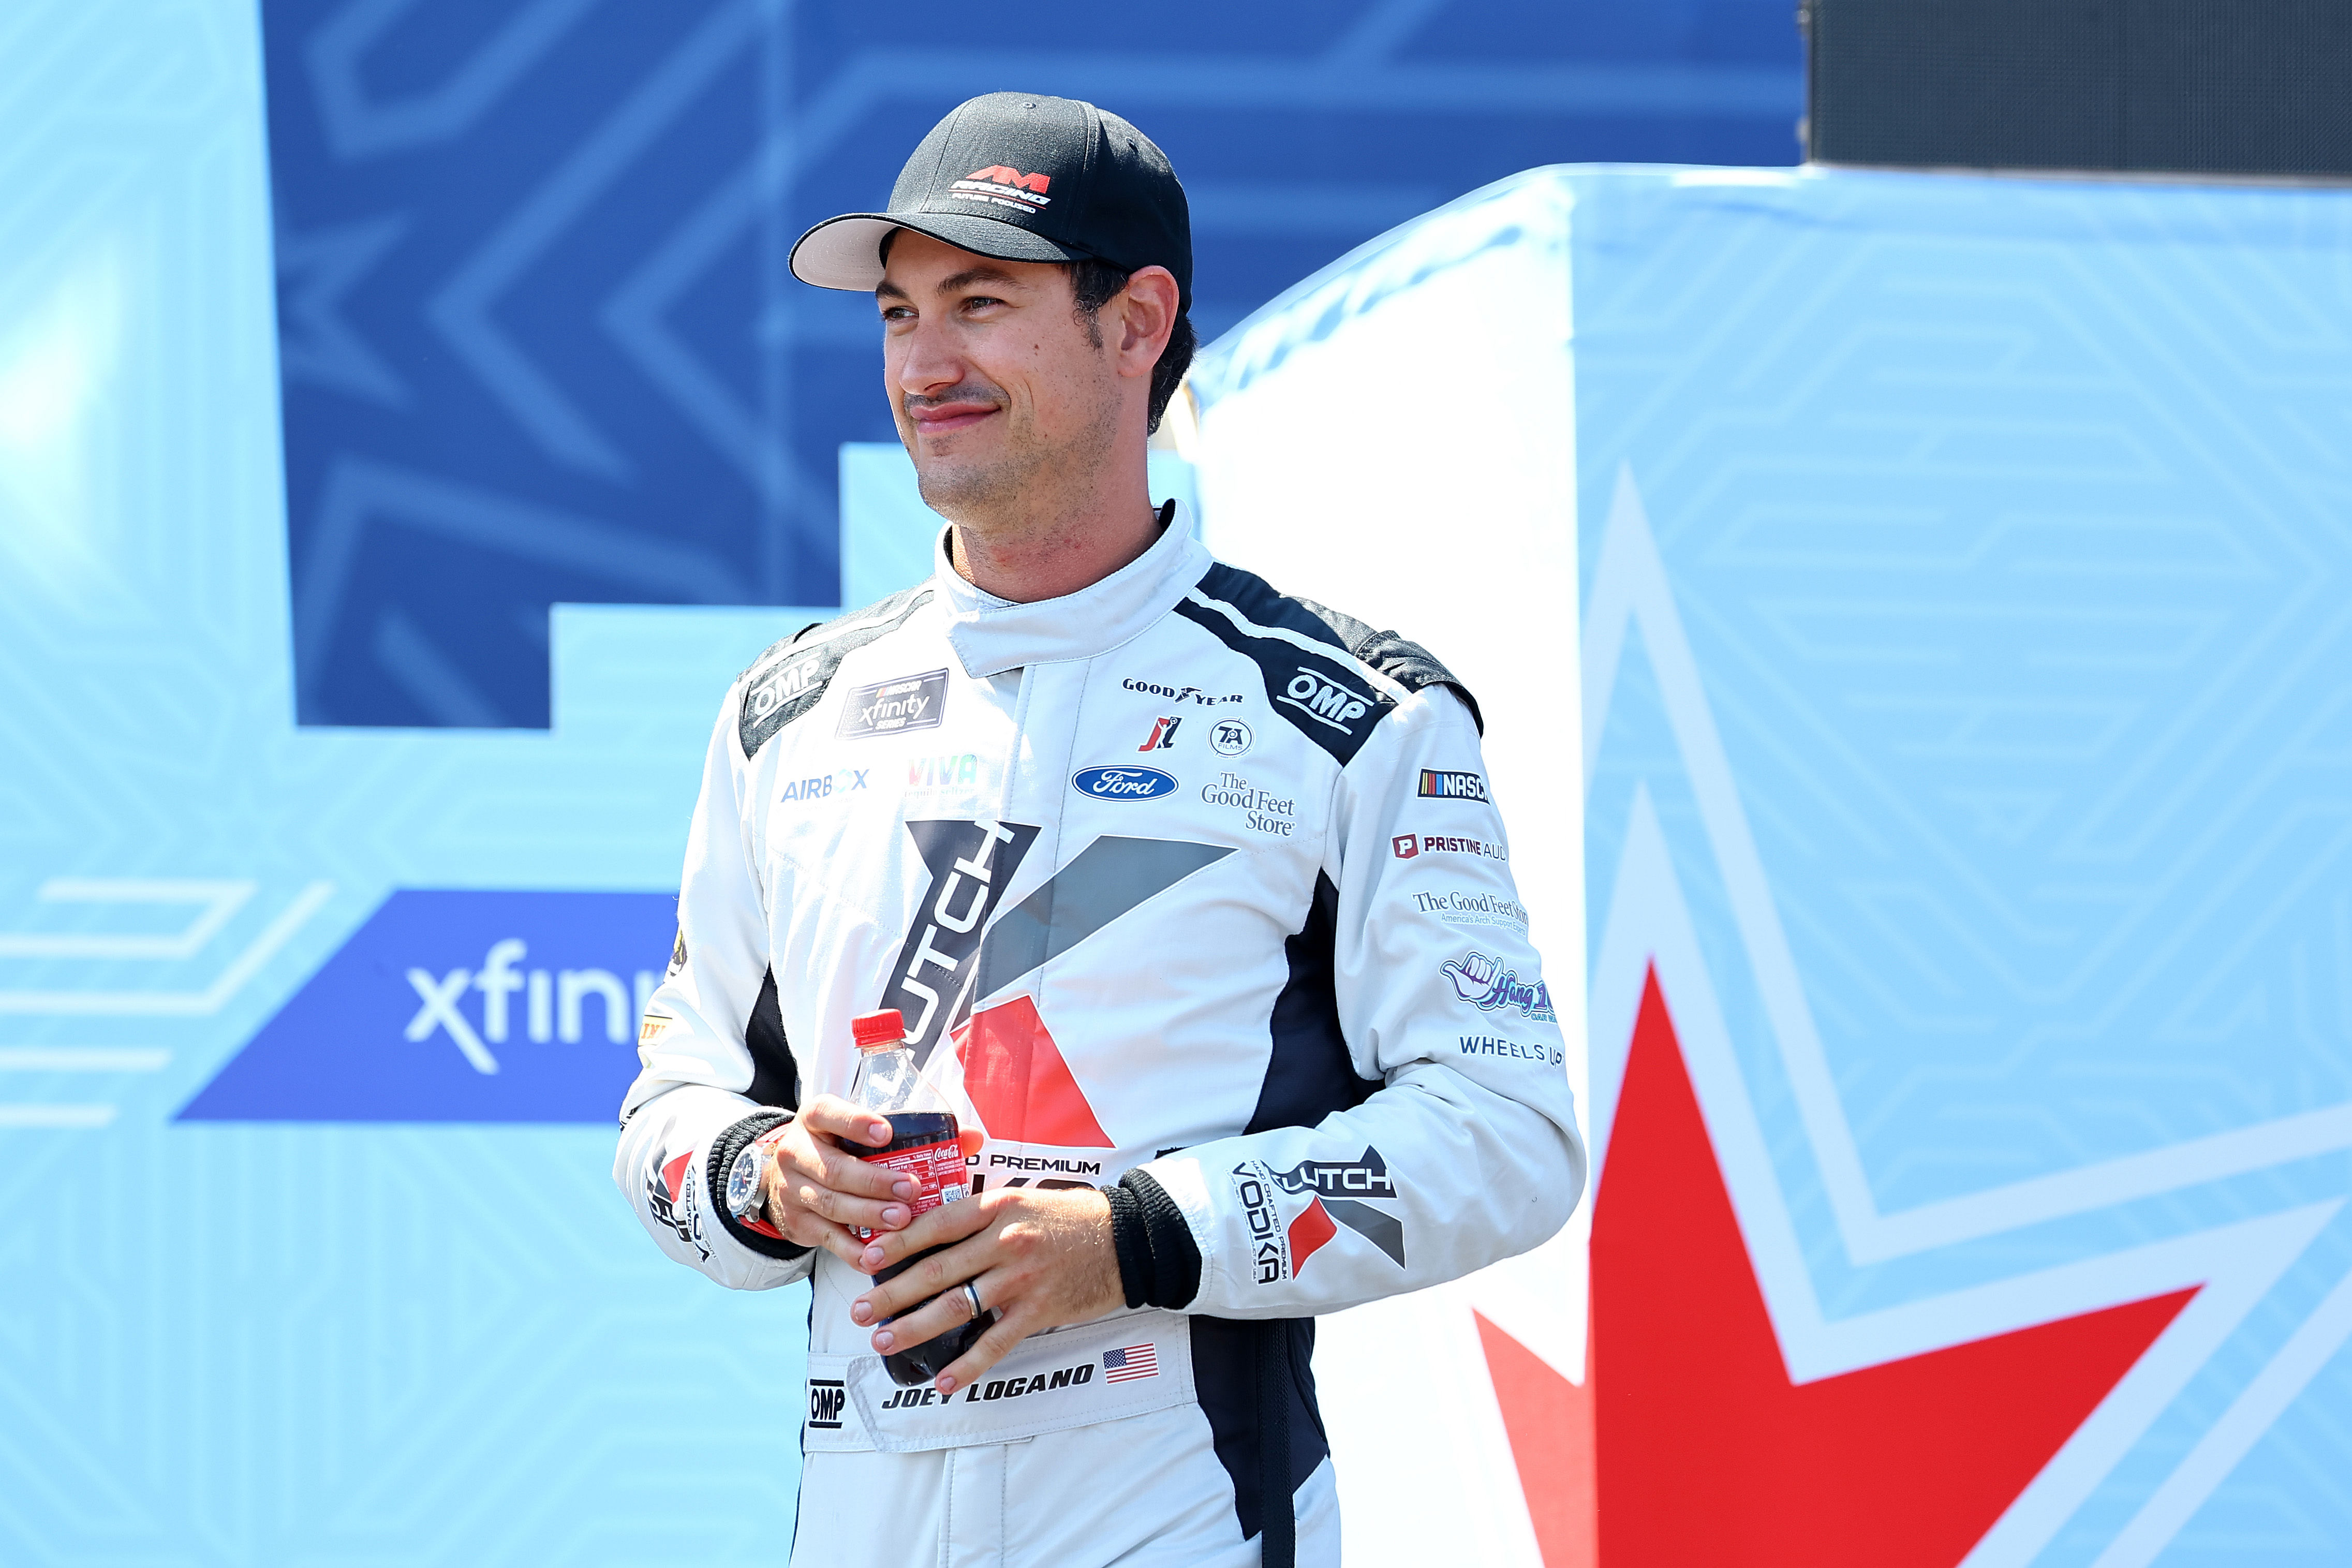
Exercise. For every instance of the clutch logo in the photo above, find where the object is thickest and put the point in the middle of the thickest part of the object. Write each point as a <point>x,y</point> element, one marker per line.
<point>1486,985</point>
<point>1366,1176</point>
<point>1325,700</point>
<point>1004,187</point>
<point>1437,785</point>
<point>462,1006</point>
<point>1280,1250</point>
<point>1163,736</point>
<point>671,1198</point>
<point>827,1399</point>
<point>895,707</point>
<point>970,864</point>
<point>1122,783</point>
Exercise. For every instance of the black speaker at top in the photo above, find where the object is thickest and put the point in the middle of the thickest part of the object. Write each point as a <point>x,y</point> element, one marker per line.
<point>2219,87</point>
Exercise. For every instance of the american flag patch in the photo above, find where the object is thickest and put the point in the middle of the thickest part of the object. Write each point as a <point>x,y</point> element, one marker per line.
<point>1131,1362</point>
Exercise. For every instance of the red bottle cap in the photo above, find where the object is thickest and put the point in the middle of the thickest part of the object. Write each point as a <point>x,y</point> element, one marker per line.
<point>875,1030</point>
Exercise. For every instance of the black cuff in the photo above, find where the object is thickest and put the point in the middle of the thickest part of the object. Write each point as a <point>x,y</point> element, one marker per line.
<point>1159,1265</point>
<point>723,1151</point>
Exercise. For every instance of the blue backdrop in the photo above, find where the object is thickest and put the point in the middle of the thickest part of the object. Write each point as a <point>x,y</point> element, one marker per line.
<point>538,346</point>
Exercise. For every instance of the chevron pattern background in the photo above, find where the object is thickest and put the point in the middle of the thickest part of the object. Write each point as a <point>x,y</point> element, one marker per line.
<point>536,339</point>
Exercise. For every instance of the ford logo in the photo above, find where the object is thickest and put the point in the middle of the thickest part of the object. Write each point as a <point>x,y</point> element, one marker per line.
<point>1122,783</point>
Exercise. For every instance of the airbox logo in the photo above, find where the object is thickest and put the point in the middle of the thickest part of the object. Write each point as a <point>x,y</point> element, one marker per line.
<point>460,1006</point>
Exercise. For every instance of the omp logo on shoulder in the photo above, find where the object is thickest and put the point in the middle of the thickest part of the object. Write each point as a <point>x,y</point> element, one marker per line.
<point>461,1006</point>
<point>781,685</point>
<point>1326,700</point>
<point>895,707</point>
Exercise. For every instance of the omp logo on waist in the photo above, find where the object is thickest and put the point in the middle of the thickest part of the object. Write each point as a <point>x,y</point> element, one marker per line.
<point>1325,700</point>
<point>460,1006</point>
<point>894,707</point>
<point>827,1398</point>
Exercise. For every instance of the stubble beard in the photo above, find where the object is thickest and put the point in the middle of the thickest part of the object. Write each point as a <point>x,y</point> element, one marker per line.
<point>1030,487</point>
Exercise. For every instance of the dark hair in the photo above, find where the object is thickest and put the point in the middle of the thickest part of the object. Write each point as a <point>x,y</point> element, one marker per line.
<point>1093,285</point>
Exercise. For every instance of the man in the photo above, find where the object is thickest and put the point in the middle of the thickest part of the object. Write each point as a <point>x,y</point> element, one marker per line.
<point>1157,863</point>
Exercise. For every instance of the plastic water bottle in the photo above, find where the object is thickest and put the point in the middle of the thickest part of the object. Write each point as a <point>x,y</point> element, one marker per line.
<point>924,1144</point>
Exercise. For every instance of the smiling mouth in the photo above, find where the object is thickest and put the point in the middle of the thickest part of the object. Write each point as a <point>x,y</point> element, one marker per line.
<point>949,420</point>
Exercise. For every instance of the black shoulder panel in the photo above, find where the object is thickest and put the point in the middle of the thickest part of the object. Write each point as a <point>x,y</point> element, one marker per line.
<point>788,680</point>
<point>1413,666</point>
<point>1325,697</point>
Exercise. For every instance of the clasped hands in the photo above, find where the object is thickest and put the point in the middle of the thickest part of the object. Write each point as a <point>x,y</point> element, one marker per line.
<point>1038,1257</point>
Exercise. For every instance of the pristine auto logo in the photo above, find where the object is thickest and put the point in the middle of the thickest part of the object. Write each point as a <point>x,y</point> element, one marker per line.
<point>1122,783</point>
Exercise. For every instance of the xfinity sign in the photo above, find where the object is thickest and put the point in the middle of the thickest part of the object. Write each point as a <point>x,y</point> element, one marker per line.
<point>460,1006</point>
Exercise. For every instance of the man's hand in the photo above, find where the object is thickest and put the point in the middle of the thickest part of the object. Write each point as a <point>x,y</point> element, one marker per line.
<point>1039,1257</point>
<point>1473,975</point>
<point>816,1187</point>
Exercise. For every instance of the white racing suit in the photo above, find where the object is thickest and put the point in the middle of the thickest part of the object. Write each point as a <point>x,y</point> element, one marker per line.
<point>1187,889</point>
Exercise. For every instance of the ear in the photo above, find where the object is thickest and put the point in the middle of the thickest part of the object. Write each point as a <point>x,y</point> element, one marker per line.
<point>1146,314</point>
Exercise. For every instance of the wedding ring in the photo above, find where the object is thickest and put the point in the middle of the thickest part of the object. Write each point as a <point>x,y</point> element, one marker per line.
<point>971,1295</point>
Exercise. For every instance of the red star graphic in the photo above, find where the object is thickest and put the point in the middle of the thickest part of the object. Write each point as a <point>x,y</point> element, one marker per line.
<point>1706,1453</point>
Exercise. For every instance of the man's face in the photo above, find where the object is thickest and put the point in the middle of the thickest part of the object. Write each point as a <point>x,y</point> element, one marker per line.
<point>996,382</point>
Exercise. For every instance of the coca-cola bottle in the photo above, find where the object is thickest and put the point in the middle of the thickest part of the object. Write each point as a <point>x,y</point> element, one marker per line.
<point>924,1144</point>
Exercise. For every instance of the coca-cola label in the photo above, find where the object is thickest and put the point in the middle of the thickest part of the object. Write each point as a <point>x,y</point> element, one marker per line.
<point>937,1170</point>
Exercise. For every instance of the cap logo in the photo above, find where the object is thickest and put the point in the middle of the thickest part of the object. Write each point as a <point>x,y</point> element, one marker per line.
<point>1004,187</point>
<point>1004,176</point>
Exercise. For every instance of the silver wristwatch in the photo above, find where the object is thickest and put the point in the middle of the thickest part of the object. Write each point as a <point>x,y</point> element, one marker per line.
<point>743,1195</point>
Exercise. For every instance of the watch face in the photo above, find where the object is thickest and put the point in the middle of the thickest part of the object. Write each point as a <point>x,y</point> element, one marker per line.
<point>743,1180</point>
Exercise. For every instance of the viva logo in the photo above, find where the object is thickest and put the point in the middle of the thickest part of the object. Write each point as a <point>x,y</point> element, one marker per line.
<point>460,1006</point>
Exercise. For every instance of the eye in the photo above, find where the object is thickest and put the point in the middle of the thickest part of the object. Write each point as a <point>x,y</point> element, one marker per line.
<point>980,302</point>
<point>896,313</point>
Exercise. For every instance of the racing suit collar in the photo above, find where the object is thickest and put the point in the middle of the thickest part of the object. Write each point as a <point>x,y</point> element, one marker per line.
<point>992,636</point>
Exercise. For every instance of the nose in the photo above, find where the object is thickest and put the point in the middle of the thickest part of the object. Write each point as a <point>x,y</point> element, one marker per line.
<point>924,361</point>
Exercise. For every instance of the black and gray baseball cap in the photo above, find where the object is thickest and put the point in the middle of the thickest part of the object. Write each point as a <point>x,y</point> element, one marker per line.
<point>1021,177</point>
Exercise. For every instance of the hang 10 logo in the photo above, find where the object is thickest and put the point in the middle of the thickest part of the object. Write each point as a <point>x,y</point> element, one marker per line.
<point>1486,985</point>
